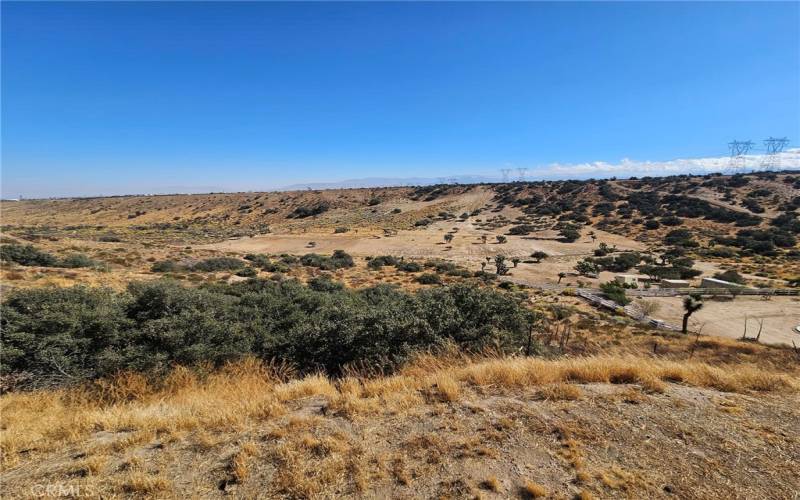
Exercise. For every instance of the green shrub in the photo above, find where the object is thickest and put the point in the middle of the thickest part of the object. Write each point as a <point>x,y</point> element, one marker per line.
<point>165,266</point>
<point>77,260</point>
<point>408,266</point>
<point>218,264</point>
<point>428,279</point>
<point>303,212</point>
<point>247,272</point>
<point>27,255</point>
<point>325,284</point>
<point>570,234</point>
<point>378,262</point>
<point>258,259</point>
<point>340,259</point>
<point>616,292</point>
<point>72,334</point>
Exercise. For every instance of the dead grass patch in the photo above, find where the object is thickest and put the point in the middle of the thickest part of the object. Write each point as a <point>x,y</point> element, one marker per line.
<point>532,490</point>
<point>244,393</point>
<point>560,392</point>
<point>140,483</point>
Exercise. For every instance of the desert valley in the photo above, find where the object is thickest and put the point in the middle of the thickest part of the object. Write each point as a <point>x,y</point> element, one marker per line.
<point>587,339</point>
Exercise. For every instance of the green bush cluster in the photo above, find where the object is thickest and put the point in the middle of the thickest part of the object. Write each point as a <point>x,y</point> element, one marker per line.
<point>303,212</point>
<point>616,292</point>
<point>378,262</point>
<point>79,333</point>
<point>340,259</point>
<point>212,264</point>
<point>29,255</point>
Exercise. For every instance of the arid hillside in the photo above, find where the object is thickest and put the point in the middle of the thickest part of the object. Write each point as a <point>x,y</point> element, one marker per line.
<point>598,427</point>
<point>516,340</point>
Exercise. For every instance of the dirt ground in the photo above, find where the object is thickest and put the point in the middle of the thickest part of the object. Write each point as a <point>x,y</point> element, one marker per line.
<point>466,248</point>
<point>595,440</point>
<point>727,318</point>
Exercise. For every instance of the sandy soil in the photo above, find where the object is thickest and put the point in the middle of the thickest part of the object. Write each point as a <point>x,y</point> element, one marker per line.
<point>727,318</point>
<point>466,247</point>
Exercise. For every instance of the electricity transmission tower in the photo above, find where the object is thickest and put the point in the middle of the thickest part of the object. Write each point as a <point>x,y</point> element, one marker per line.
<point>738,151</point>
<point>505,172</point>
<point>774,147</point>
<point>522,172</point>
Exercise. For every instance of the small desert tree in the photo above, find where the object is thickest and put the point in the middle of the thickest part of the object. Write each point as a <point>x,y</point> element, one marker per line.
<point>539,255</point>
<point>500,265</point>
<point>648,307</point>
<point>561,276</point>
<point>483,239</point>
<point>691,304</point>
<point>515,261</point>
<point>586,267</point>
<point>501,239</point>
<point>448,238</point>
<point>570,234</point>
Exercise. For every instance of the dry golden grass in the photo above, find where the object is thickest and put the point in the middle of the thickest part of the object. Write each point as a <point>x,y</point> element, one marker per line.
<point>240,462</point>
<point>248,392</point>
<point>560,392</point>
<point>139,483</point>
<point>533,490</point>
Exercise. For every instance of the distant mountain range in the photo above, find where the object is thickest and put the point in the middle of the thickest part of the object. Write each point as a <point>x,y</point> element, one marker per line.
<point>390,182</point>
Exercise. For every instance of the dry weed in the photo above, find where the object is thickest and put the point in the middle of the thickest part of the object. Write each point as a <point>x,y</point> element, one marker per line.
<point>533,490</point>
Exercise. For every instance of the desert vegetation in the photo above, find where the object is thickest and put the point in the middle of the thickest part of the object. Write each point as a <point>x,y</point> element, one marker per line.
<point>418,341</point>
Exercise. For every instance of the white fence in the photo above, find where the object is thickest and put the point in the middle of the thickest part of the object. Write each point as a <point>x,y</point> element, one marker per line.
<point>730,292</point>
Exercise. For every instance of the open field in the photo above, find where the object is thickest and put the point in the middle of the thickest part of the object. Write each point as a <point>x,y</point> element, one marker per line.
<point>726,318</point>
<point>466,247</point>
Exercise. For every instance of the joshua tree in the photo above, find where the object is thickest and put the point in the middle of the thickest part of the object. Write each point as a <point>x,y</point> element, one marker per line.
<point>500,264</point>
<point>448,237</point>
<point>592,235</point>
<point>483,238</point>
<point>561,276</point>
<point>483,266</point>
<point>539,255</point>
<point>515,261</point>
<point>691,304</point>
<point>501,239</point>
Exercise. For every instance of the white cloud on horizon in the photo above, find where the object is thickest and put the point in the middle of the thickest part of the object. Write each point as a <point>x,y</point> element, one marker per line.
<point>787,160</point>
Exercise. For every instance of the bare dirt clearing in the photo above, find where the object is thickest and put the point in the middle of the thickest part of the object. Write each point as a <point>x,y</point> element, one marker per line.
<point>727,318</point>
<point>466,247</point>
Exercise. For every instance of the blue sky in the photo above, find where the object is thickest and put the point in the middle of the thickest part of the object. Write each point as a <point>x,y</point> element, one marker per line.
<point>107,98</point>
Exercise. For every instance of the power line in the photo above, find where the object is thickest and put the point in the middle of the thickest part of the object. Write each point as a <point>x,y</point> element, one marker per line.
<point>505,172</point>
<point>738,150</point>
<point>522,171</point>
<point>773,147</point>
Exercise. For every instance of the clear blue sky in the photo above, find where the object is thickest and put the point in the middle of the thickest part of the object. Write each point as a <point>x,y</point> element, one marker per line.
<point>126,98</point>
